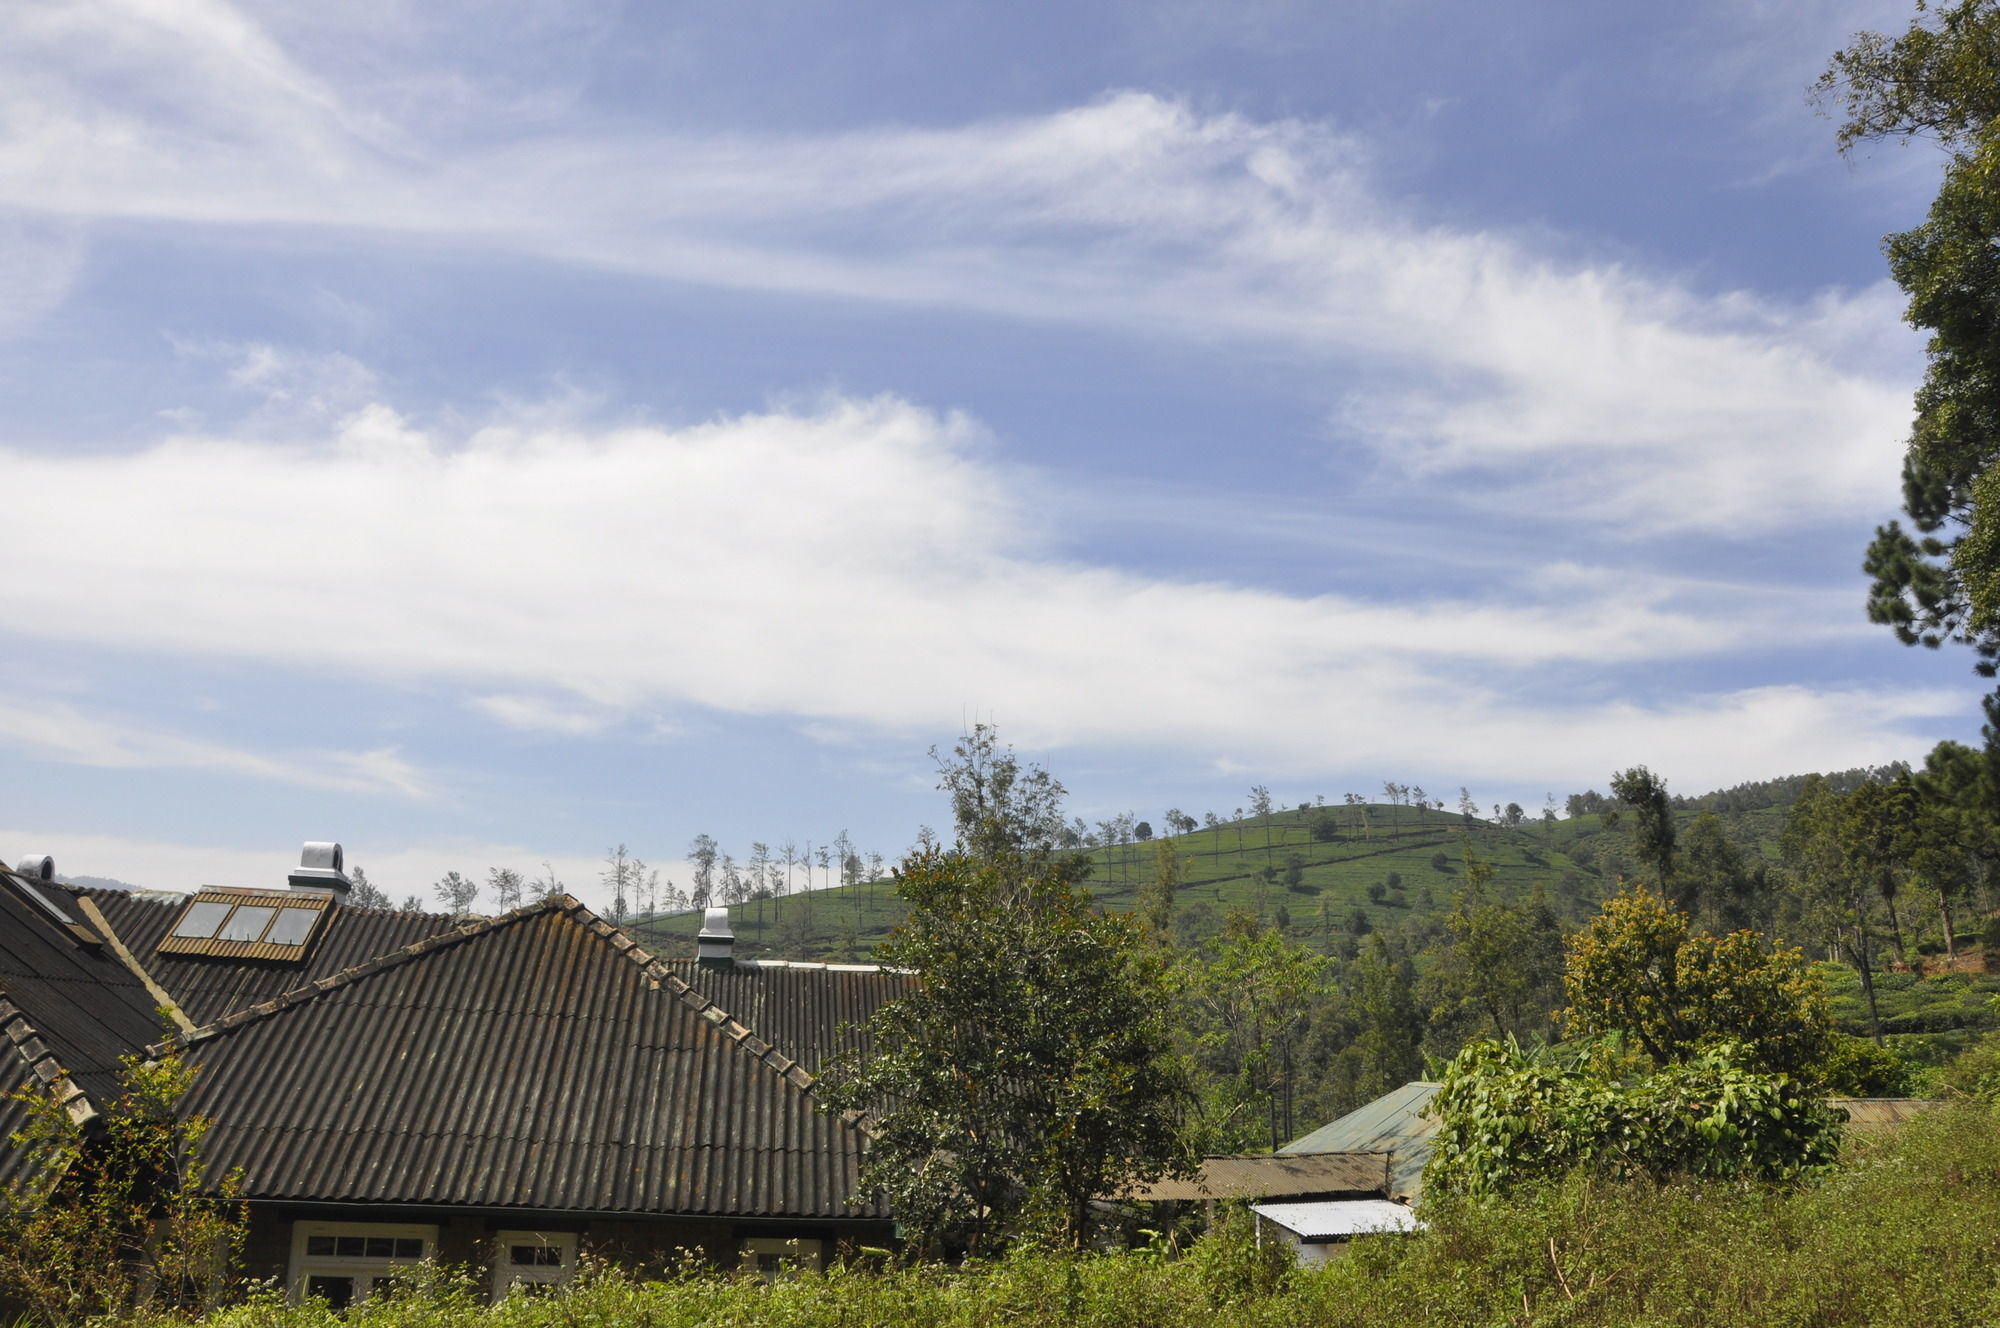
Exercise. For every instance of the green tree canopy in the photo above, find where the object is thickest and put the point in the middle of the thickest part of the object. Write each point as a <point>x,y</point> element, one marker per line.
<point>1638,969</point>
<point>1031,1070</point>
<point>1005,811</point>
<point>1941,80</point>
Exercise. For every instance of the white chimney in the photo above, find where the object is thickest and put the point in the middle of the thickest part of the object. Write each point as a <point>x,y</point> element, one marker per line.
<point>715,944</point>
<point>36,867</point>
<point>321,870</point>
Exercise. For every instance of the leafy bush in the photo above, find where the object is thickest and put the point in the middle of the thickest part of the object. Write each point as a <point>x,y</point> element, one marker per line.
<point>1856,1067</point>
<point>121,1218</point>
<point>1511,1117</point>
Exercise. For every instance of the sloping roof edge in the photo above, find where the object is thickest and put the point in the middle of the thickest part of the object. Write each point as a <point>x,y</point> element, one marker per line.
<point>43,1063</point>
<point>655,970</point>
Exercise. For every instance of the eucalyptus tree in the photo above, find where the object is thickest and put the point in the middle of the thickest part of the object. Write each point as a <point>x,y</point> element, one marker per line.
<point>457,893</point>
<point>506,886</point>
<point>362,893</point>
<point>701,854</point>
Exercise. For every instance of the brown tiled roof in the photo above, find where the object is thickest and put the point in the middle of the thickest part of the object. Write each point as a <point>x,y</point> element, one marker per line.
<point>538,1060</point>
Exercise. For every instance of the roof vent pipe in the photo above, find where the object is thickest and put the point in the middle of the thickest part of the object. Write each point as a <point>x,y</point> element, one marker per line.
<point>36,867</point>
<point>715,943</point>
<point>322,870</point>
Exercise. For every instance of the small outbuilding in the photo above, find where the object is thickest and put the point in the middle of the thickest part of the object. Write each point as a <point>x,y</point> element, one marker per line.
<point>1320,1229</point>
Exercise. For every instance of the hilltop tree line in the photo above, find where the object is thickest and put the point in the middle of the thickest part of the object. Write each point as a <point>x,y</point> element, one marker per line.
<point>635,890</point>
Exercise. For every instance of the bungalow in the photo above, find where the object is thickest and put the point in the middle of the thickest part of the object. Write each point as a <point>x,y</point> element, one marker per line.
<point>505,1091</point>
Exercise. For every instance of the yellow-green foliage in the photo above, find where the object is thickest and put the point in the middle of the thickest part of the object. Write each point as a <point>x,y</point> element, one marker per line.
<point>1907,1233</point>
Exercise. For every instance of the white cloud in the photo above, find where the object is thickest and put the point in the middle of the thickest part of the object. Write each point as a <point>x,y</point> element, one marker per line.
<point>541,715</point>
<point>1621,397</point>
<point>61,732</point>
<point>568,578</point>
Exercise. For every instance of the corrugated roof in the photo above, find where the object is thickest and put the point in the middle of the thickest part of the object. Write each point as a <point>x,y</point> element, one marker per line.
<point>209,987</point>
<point>1273,1175</point>
<point>540,1060</point>
<point>800,1007</point>
<point>1394,1123</point>
<point>1337,1219</point>
<point>15,1078</point>
<point>66,1008</point>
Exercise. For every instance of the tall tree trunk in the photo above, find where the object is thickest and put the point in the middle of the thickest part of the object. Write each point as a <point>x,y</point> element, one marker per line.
<point>1867,970</point>
<point>1944,911</point>
<point>1896,928</point>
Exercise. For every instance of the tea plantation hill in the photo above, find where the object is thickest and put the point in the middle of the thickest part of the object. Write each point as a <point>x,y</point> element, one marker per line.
<point>1310,869</point>
<point>1414,861</point>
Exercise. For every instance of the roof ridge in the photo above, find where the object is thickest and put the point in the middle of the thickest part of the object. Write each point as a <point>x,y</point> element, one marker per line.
<point>43,1063</point>
<point>661,973</point>
<point>347,977</point>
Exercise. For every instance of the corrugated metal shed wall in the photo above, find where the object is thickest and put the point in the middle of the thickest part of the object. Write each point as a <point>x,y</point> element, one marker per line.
<point>530,1065</point>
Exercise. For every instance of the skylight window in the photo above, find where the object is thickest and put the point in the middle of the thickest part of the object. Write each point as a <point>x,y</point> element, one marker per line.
<point>202,919</point>
<point>246,924</point>
<point>291,926</point>
<point>48,905</point>
<point>44,898</point>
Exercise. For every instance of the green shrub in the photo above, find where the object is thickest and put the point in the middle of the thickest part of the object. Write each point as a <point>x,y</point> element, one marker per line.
<point>1856,1067</point>
<point>1976,1073</point>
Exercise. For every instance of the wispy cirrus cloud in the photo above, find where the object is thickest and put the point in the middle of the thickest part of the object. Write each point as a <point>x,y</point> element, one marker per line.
<point>1631,399</point>
<point>59,731</point>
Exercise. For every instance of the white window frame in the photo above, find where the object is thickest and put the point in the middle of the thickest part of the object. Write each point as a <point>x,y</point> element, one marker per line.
<point>798,1251</point>
<point>363,1269</point>
<point>507,1275</point>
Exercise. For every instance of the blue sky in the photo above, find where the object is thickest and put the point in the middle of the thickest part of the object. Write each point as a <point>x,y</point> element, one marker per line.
<point>488,433</point>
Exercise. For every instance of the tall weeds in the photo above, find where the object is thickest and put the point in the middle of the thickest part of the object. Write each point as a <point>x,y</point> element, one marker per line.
<point>1907,1232</point>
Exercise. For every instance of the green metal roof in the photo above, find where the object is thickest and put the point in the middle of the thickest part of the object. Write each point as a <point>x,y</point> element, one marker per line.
<point>1394,1123</point>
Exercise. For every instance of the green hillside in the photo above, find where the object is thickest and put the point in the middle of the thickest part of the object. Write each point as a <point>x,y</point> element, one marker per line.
<point>1412,859</point>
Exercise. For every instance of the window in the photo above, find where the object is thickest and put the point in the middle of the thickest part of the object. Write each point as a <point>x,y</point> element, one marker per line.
<point>343,1263</point>
<point>246,924</point>
<point>532,1259</point>
<point>774,1257</point>
<point>292,926</point>
<point>202,919</point>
